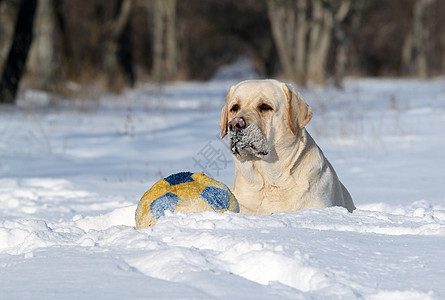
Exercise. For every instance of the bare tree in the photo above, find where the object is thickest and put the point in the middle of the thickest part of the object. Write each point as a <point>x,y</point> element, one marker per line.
<point>66,50</point>
<point>442,41</point>
<point>115,69</point>
<point>8,15</point>
<point>303,32</point>
<point>417,44</point>
<point>344,33</point>
<point>165,62</point>
<point>41,62</point>
<point>320,37</point>
<point>18,53</point>
<point>289,29</point>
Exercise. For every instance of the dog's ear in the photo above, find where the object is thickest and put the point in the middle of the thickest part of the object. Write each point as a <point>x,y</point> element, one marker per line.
<point>225,115</point>
<point>298,112</point>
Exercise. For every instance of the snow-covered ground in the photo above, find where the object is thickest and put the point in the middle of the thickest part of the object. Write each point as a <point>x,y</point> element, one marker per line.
<point>72,173</point>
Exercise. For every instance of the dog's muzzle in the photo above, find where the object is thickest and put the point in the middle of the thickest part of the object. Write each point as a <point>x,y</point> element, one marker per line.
<point>246,139</point>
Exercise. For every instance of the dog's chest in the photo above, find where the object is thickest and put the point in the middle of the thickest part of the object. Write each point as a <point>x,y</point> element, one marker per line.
<point>275,198</point>
<point>270,198</point>
<point>261,189</point>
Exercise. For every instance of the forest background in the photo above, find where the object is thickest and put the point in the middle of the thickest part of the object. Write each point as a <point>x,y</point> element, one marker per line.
<point>83,48</point>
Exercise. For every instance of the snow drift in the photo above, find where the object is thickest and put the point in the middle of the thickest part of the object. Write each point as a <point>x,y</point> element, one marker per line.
<point>72,174</point>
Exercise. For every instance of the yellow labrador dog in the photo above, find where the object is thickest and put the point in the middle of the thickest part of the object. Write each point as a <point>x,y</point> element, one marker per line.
<point>279,167</point>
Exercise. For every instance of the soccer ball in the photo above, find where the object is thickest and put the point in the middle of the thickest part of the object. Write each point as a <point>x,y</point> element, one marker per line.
<point>186,192</point>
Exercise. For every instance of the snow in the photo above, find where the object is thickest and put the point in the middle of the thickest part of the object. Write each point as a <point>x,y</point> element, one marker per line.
<point>72,173</point>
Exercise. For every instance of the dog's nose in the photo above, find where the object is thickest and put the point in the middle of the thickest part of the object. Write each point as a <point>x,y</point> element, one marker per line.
<point>236,124</point>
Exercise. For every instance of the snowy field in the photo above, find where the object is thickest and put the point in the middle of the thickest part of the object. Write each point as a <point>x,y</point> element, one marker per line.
<point>72,173</point>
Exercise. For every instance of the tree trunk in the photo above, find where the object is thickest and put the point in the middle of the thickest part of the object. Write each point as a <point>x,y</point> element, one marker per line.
<point>278,20</point>
<point>319,41</point>
<point>422,37</point>
<point>115,71</point>
<point>8,16</point>
<point>443,51</point>
<point>289,29</point>
<point>170,38</point>
<point>341,59</point>
<point>41,62</point>
<point>417,43</point>
<point>125,55</point>
<point>354,10</point>
<point>96,30</point>
<point>18,54</point>
<point>67,51</point>
<point>300,40</point>
<point>165,63</point>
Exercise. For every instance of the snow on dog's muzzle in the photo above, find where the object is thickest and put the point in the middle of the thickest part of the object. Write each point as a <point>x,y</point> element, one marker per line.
<point>247,140</point>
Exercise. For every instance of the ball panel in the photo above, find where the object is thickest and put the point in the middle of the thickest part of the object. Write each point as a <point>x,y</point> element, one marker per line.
<point>216,197</point>
<point>160,184</point>
<point>143,215</point>
<point>186,191</point>
<point>159,205</point>
<point>204,180</point>
<point>234,206</point>
<point>196,204</point>
<point>207,181</point>
<point>178,178</point>
<point>157,190</point>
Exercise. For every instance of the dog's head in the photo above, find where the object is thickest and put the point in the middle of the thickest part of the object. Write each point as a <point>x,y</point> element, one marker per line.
<point>258,113</point>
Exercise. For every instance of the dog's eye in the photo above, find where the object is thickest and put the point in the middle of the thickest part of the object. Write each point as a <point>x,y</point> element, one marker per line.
<point>264,107</point>
<point>235,108</point>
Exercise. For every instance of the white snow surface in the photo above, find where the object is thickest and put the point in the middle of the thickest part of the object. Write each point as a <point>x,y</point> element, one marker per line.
<point>72,173</point>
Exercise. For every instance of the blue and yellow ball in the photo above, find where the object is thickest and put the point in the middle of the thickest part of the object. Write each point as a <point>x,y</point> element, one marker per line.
<point>186,192</point>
